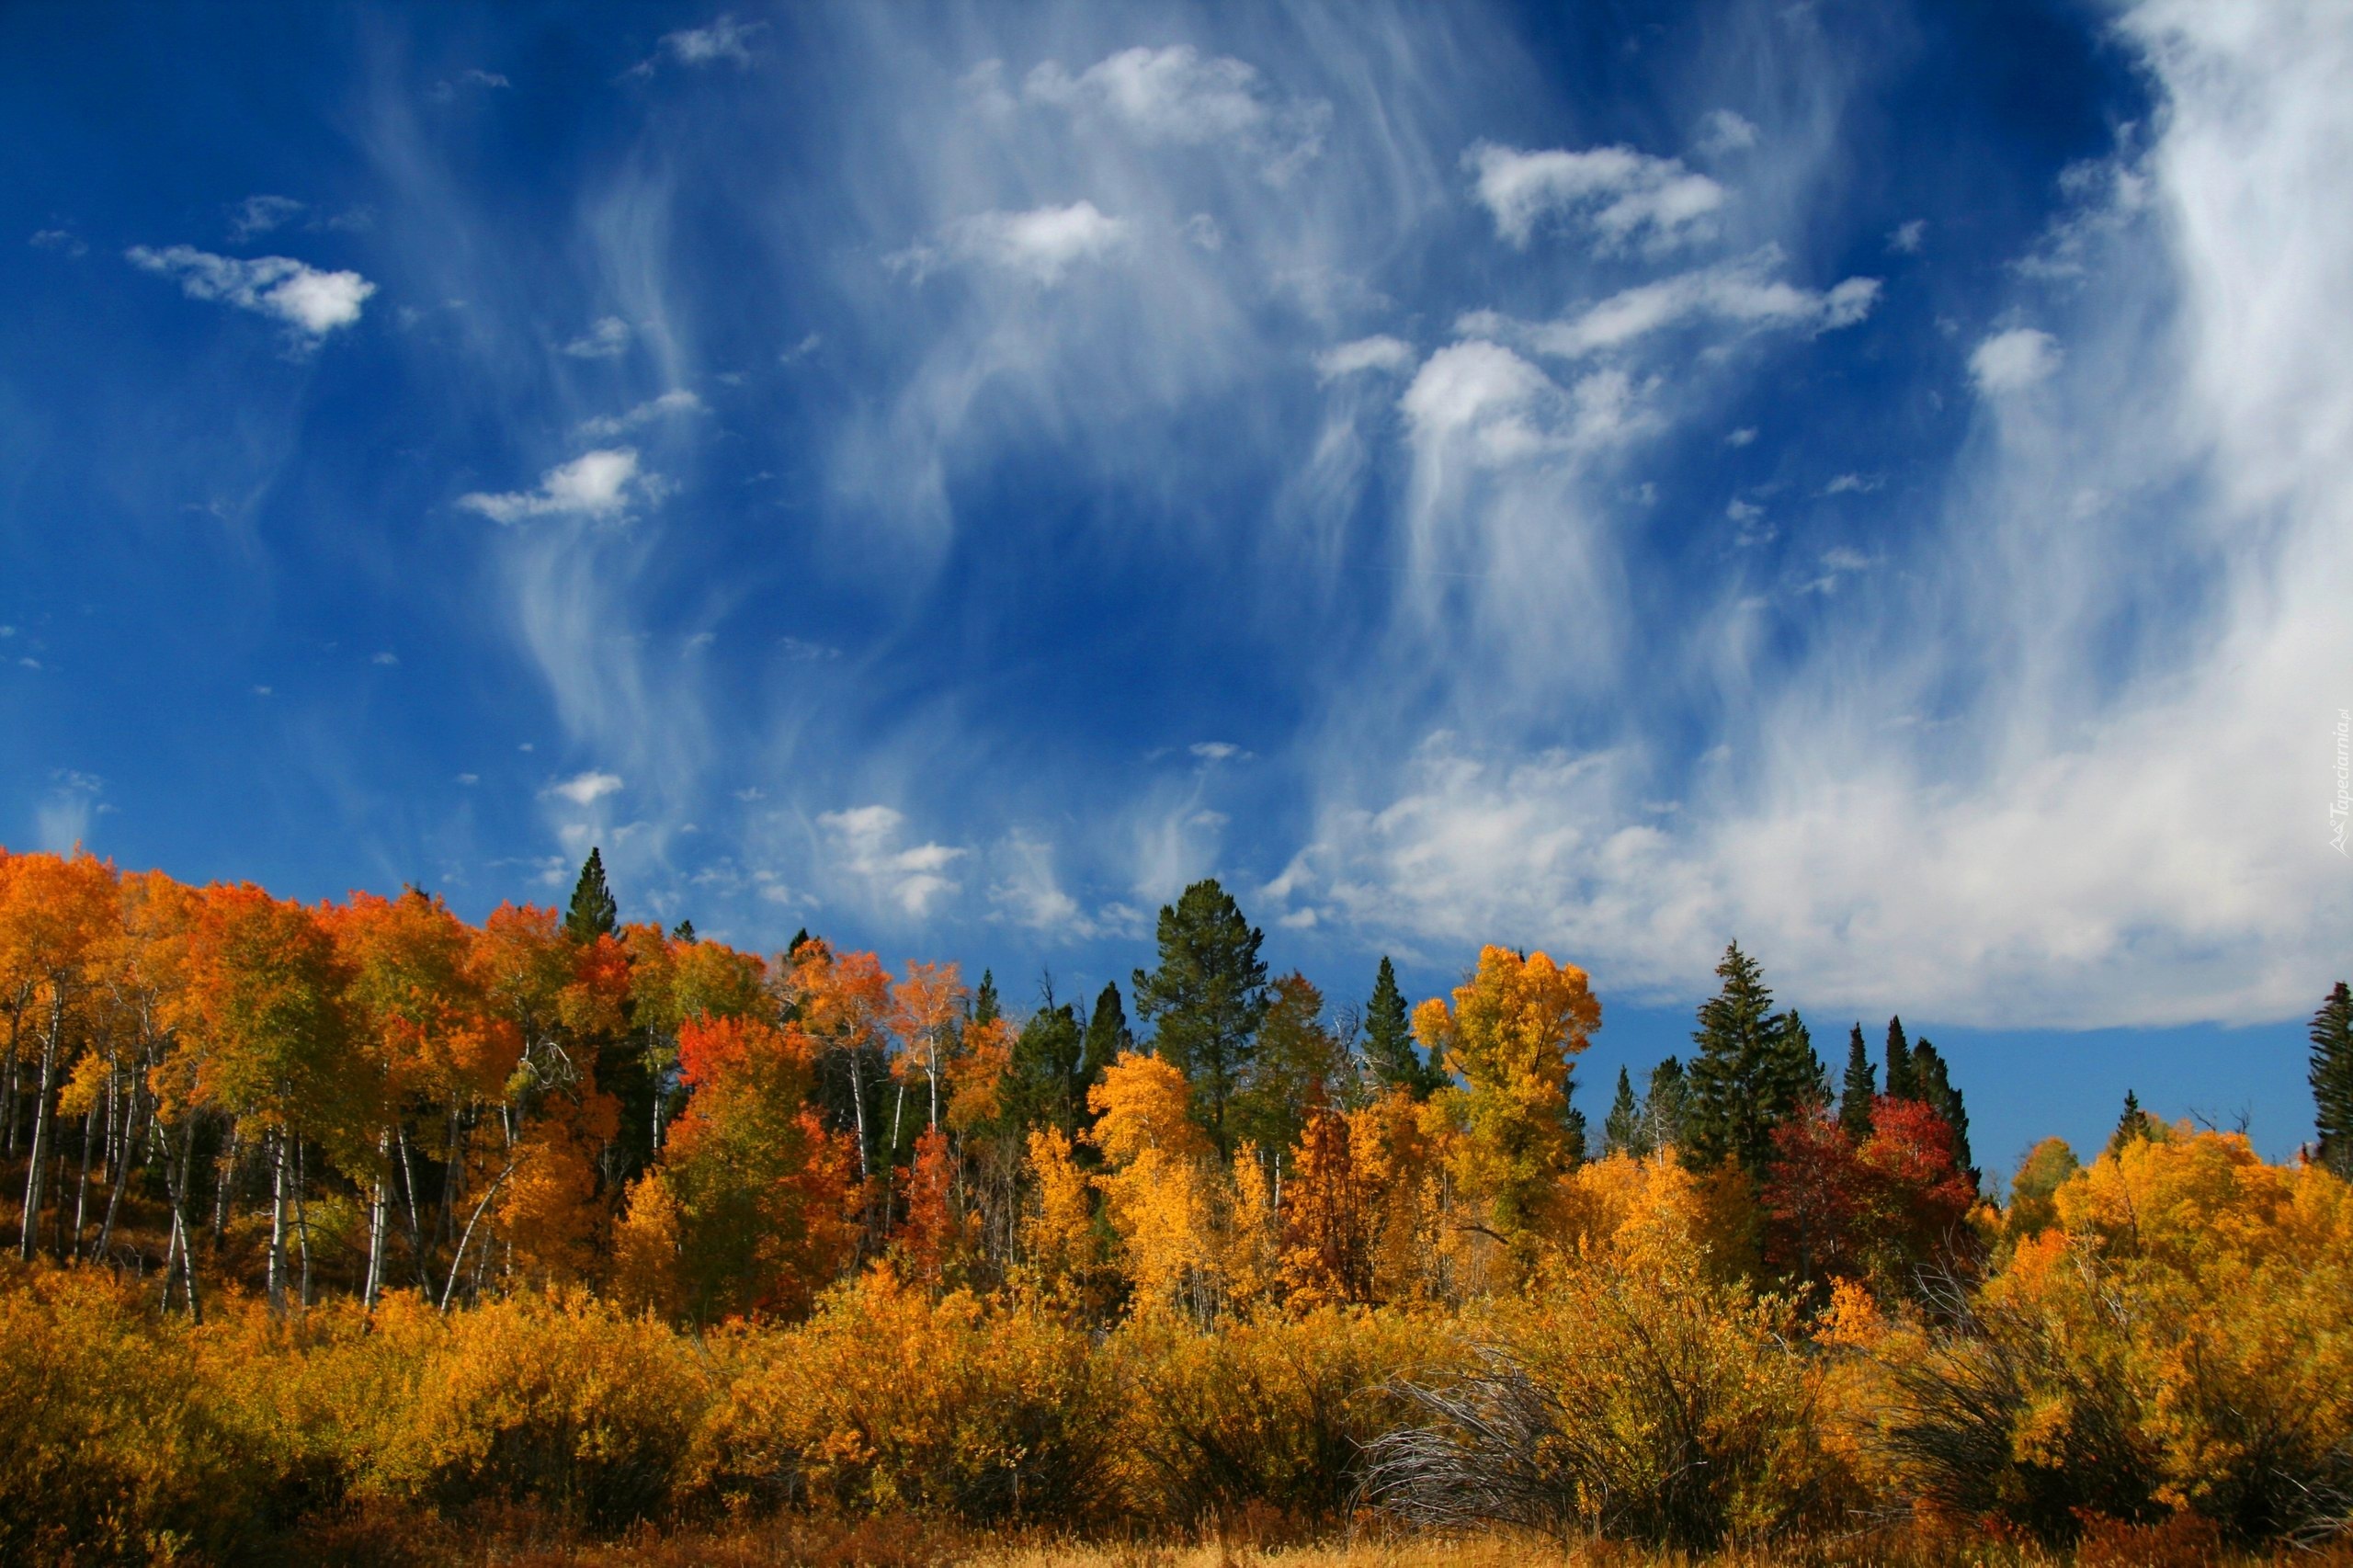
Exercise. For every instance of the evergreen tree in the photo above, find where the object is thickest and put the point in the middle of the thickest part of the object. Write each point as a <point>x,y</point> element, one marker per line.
<point>1797,1065</point>
<point>2134,1126</point>
<point>1206,999</point>
<point>1623,1131</point>
<point>1861,1085</point>
<point>1664,1102</point>
<point>1043,1085</point>
<point>1389,1040</point>
<point>1753,1069</point>
<point>1106,1035</point>
<point>593,914</point>
<point>684,931</point>
<point>985,1008</point>
<point>1933,1080</point>
<point>2331,1080</point>
<point>1297,1069</point>
<point>1900,1084</point>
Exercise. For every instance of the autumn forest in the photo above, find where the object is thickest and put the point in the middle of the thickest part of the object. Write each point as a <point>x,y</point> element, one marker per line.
<point>354,1230</point>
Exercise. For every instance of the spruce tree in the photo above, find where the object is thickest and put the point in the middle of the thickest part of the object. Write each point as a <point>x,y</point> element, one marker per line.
<point>1389,1040</point>
<point>684,931</point>
<point>1107,1034</point>
<point>593,912</point>
<point>1621,1131</point>
<point>985,1007</point>
<point>1900,1084</point>
<point>1753,1069</point>
<point>2331,1080</point>
<point>1856,1094</point>
<point>2135,1125</point>
<point>1042,1085</point>
<point>1933,1080</point>
<point>1665,1101</point>
<point>1206,999</point>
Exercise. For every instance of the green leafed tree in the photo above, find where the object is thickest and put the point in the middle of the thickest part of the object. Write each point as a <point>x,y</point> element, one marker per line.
<point>1861,1085</point>
<point>1664,1100</point>
<point>1106,1035</point>
<point>1753,1069</point>
<point>1932,1079</point>
<point>1206,1000</point>
<point>1900,1086</point>
<point>2134,1126</point>
<point>593,912</point>
<point>2331,1080</point>
<point>1389,1040</point>
<point>1623,1131</point>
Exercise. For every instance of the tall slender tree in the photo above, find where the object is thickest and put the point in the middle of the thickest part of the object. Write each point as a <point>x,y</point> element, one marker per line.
<point>1665,1100</point>
<point>1389,1040</point>
<point>1623,1131</point>
<point>1861,1086</point>
<point>593,912</point>
<point>1932,1079</point>
<point>1107,1037</point>
<point>2134,1126</point>
<point>1900,1084</point>
<point>2331,1080</point>
<point>1753,1069</point>
<point>1206,999</point>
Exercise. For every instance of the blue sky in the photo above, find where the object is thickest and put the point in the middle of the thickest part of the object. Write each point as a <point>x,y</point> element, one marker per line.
<point>1872,480</point>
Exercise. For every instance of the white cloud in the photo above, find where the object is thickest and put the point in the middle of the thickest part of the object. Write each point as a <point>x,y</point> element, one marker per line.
<point>259,215</point>
<point>1905,239</point>
<point>301,296</point>
<point>1740,436</point>
<point>1722,132</point>
<point>1620,194</point>
<point>594,484</point>
<point>387,657</point>
<point>671,405</point>
<point>866,840</point>
<point>2009,361</point>
<point>1739,293</point>
<point>586,790</point>
<point>1377,353</point>
<point>1175,96</point>
<point>1217,751</point>
<point>1040,245</point>
<point>62,822</point>
<point>723,38</point>
<point>801,350</point>
<point>64,240</point>
<point>1852,484</point>
<point>607,338</point>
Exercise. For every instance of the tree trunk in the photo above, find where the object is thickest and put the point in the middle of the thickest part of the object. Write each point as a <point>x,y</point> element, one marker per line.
<point>73,1245</point>
<point>277,1228</point>
<point>123,1162</point>
<point>301,1220</point>
<point>408,1195</point>
<point>224,1183</point>
<point>29,1235</point>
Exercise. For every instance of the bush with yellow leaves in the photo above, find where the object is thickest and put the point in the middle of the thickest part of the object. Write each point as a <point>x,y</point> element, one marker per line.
<point>890,1399</point>
<point>2177,1343</point>
<point>1653,1403</point>
<point>1267,1410</point>
<point>558,1401</point>
<point>113,1453</point>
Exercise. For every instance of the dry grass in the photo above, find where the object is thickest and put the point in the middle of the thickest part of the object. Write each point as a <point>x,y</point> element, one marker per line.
<point>524,1539</point>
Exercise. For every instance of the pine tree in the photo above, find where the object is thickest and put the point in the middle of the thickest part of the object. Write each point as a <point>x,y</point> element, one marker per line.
<point>1041,1086</point>
<point>1753,1069</point>
<point>1664,1102</point>
<point>1933,1081</point>
<point>1106,1035</point>
<point>2135,1125</point>
<point>593,914</point>
<point>1623,1131</point>
<point>1861,1085</point>
<point>1206,999</point>
<point>684,931</point>
<point>985,1007</point>
<point>2331,1080</point>
<point>1389,1040</point>
<point>1900,1084</point>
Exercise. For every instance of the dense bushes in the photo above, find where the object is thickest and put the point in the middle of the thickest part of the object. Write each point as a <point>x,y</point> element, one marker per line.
<point>1644,1404</point>
<point>890,1400</point>
<point>2171,1362</point>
